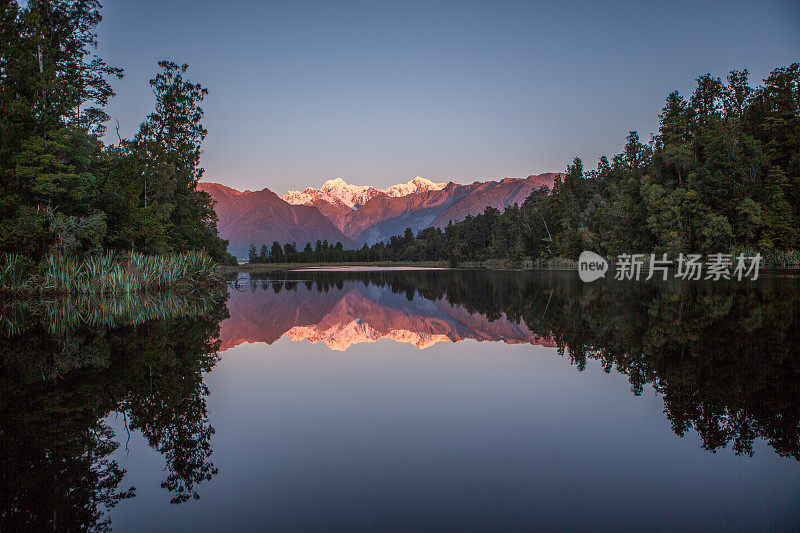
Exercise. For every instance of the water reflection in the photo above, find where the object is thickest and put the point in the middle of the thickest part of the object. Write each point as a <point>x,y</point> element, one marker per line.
<point>724,355</point>
<point>65,365</point>
<point>724,358</point>
<point>342,310</point>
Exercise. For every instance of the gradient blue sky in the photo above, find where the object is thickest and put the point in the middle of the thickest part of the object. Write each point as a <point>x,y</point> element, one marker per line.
<point>379,92</point>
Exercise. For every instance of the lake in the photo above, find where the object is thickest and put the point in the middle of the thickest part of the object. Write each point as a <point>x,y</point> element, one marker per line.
<point>374,399</point>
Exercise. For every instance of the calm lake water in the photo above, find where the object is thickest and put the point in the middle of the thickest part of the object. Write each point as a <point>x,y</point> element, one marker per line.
<point>406,400</point>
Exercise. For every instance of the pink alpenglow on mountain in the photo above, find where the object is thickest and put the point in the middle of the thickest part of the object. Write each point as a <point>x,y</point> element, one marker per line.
<point>261,217</point>
<point>358,314</point>
<point>355,196</point>
<point>357,214</point>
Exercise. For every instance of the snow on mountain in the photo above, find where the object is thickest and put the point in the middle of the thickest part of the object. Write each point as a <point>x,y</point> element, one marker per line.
<point>359,314</point>
<point>355,214</point>
<point>418,184</point>
<point>354,196</point>
<point>261,217</point>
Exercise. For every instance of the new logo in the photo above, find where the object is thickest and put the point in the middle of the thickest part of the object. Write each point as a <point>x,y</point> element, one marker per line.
<point>591,266</point>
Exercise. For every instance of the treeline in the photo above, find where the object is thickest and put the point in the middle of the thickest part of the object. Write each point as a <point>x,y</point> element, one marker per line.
<point>721,175</point>
<point>62,190</point>
<point>399,248</point>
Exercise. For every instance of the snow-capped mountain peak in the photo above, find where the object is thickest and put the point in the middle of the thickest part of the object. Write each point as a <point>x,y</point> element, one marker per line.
<point>417,184</point>
<point>354,196</point>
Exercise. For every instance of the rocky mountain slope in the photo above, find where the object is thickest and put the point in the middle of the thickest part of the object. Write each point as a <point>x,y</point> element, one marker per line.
<point>261,217</point>
<point>357,214</point>
<point>382,217</point>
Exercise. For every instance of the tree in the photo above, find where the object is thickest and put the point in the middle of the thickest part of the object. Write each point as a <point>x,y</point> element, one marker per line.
<point>166,156</point>
<point>290,251</point>
<point>52,92</point>
<point>276,253</point>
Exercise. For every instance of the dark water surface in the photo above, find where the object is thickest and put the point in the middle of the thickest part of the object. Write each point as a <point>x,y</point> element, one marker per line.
<point>406,400</point>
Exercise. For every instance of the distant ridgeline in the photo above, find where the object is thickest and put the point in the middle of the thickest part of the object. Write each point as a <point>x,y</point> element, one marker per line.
<point>722,174</point>
<point>358,214</point>
<point>62,190</point>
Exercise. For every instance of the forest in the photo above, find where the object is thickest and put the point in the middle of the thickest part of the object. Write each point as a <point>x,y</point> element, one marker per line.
<point>721,175</point>
<point>63,191</point>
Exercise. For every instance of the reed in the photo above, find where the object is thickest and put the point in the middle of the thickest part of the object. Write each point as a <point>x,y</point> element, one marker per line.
<point>14,272</point>
<point>108,273</point>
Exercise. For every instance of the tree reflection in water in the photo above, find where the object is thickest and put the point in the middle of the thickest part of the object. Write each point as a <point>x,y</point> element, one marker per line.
<point>724,356</point>
<point>64,372</point>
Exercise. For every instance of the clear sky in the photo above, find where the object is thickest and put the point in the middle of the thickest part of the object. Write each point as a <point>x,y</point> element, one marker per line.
<point>380,92</point>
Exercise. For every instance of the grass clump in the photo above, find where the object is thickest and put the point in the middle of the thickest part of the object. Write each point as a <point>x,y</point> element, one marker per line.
<point>15,271</point>
<point>107,273</point>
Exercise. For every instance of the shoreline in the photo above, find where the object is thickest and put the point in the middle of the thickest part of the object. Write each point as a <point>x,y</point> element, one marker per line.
<point>394,265</point>
<point>499,264</point>
<point>269,267</point>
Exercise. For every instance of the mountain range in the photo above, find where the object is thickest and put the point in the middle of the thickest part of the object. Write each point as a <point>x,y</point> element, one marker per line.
<point>357,214</point>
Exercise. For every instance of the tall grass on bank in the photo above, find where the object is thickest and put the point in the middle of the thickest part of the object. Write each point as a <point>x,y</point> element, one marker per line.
<point>14,272</point>
<point>108,273</point>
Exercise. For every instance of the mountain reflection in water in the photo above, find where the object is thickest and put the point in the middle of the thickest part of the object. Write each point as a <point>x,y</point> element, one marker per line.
<point>723,357</point>
<point>356,311</point>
